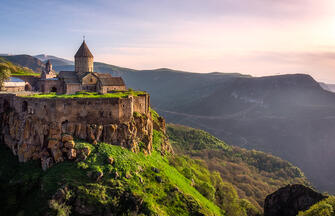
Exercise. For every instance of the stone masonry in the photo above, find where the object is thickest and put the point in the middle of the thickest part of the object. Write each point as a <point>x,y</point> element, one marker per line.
<point>45,129</point>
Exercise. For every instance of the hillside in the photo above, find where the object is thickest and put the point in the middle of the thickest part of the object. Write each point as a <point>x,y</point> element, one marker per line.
<point>109,179</point>
<point>15,69</point>
<point>290,116</point>
<point>26,61</point>
<point>254,174</point>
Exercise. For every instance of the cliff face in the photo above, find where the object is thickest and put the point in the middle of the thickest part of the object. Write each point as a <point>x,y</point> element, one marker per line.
<point>290,200</point>
<point>32,138</point>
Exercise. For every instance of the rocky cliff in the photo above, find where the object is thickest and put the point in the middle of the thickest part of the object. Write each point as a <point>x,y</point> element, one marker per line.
<point>32,138</point>
<point>290,200</point>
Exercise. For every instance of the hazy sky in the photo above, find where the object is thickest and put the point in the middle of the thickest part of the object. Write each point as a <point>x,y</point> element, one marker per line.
<point>258,37</point>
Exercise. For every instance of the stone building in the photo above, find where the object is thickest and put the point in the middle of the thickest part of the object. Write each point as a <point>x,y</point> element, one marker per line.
<point>82,79</point>
<point>48,73</point>
<point>15,85</point>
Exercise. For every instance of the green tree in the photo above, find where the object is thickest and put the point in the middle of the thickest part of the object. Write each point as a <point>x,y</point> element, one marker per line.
<point>4,74</point>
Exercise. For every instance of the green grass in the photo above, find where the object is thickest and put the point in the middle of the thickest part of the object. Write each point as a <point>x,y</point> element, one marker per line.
<point>131,177</point>
<point>155,194</point>
<point>154,114</point>
<point>186,138</point>
<point>17,70</point>
<point>24,73</point>
<point>82,94</point>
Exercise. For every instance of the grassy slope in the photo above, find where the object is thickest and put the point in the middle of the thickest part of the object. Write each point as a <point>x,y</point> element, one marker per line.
<point>26,61</point>
<point>17,70</point>
<point>150,185</point>
<point>254,174</point>
<point>117,94</point>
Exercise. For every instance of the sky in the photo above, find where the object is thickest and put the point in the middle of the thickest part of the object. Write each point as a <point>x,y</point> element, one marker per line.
<point>257,37</point>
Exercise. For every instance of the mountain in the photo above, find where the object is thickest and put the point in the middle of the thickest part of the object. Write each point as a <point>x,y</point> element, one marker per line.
<point>16,69</point>
<point>328,87</point>
<point>289,116</point>
<point>26,61</point>
<point>54,60</point>
<point>254,174</point>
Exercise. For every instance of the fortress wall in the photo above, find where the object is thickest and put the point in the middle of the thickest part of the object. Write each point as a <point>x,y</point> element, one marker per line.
<point>142,104</point>
<point>72,88</point>
<point>97,111</point>
<point>39,128</point>
<point>126,109</point>
<point>48,85</point>
<point>83,110</point>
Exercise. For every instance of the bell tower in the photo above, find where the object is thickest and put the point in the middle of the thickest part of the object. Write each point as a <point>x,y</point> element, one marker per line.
<point>83,60</point>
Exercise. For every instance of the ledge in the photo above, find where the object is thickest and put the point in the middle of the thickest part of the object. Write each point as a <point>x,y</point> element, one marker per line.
<point>116,94</point>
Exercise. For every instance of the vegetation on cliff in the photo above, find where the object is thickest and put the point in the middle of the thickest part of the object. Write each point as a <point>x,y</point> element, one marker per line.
<point>254,174</point>
<point>83,94</point>
<point>325,207</point>
<point>111,179</point>
<point>115,180</point>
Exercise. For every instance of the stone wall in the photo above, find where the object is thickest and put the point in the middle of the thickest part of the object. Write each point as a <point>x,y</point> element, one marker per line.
<point>110,89</point>
<point>13,88</point>
<point>84,110</point>
<point>47,86</point>
<point>72,88</point>
<point>32,80</point>
<point>45,129</point>
<point>141,103</point>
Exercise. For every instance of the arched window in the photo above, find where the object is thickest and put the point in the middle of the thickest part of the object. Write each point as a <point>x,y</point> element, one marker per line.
<point>53,89</point>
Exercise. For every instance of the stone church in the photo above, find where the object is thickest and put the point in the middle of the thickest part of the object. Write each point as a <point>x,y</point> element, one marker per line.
<point>83,78</point>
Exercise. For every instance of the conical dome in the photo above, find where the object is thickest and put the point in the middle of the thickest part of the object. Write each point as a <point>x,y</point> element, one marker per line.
<point>83,51</point>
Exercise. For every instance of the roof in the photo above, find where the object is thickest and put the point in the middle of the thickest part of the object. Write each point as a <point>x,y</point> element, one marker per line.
<point>69,76</point>
<point>83,51</point>
<point>109,80</point>
<point>13,82</point>
<point>15,79</point>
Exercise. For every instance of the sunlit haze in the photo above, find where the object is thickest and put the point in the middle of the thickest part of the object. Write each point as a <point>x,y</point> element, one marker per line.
<point>257,37</point>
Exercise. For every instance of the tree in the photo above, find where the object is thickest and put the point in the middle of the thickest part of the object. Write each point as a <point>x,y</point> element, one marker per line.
<point>4,74</point>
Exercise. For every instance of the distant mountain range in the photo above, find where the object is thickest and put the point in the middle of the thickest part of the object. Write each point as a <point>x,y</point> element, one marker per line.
<point>54,60</point>
<point>291,116</point>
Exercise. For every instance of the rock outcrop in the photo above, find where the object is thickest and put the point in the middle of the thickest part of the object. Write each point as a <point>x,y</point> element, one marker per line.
<point>290,200</point>
<point>32,138</point>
